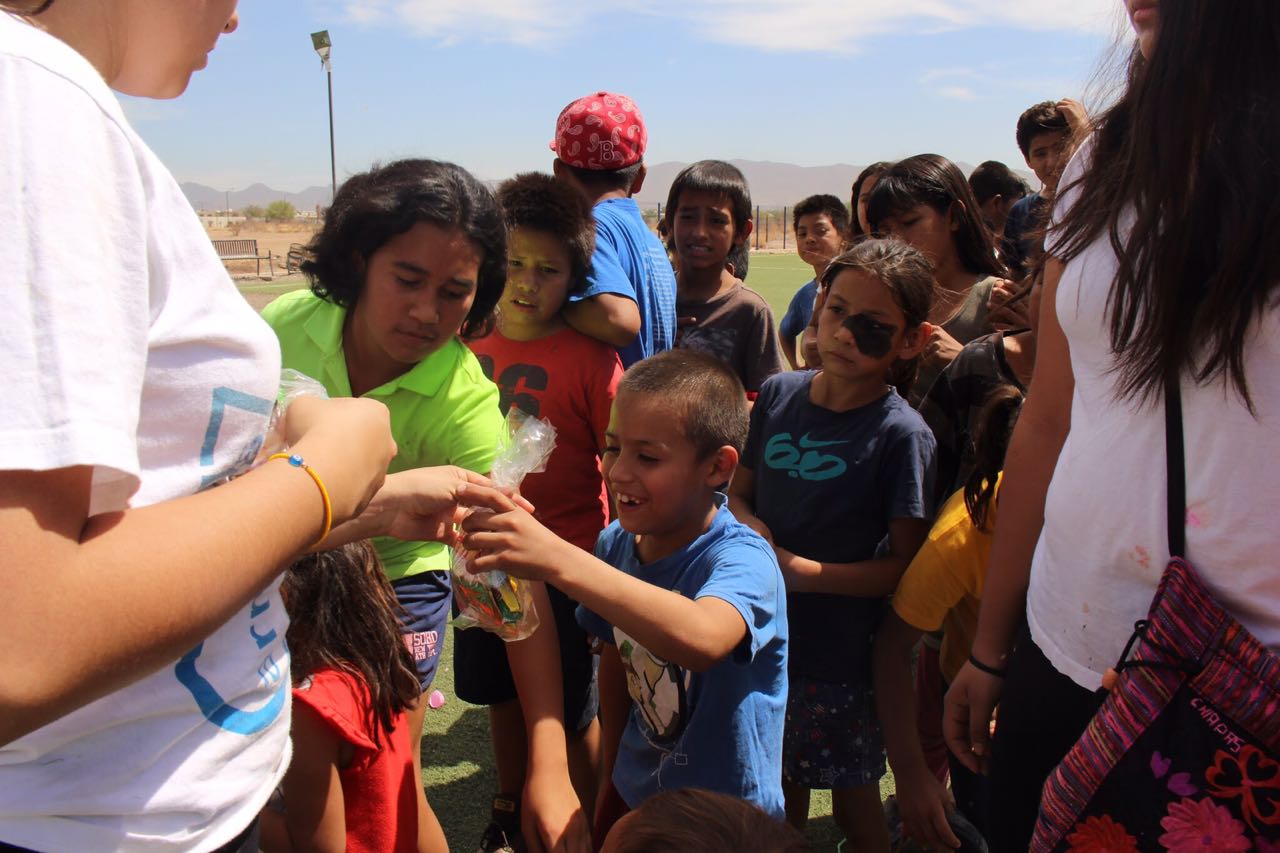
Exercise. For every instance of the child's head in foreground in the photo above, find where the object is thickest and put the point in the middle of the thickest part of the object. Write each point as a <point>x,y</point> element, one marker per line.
<point>692,820</point>
<point>873,322</point>
<point>676,430</point>
<point>415,243</point>
<point>342,616</point>
<point>550,237</point>
<point>820,223</point>
<point>599,142</point>
<point>708,213</point>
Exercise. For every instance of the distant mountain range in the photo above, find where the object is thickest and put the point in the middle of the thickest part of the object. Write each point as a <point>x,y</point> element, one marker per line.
<point>772,185</point>
<point>208,198</point>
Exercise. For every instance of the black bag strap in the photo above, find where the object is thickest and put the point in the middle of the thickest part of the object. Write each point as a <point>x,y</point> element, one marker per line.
<point>1176,470</point>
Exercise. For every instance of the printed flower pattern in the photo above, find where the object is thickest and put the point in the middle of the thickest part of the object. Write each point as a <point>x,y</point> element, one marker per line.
<point>1200,825</point>
<point>1251,777</point>
<point>1101,835</point>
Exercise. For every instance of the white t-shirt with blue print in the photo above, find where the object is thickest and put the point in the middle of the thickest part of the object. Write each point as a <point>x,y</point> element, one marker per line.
<point>127,349</point>
<point>720,729</point>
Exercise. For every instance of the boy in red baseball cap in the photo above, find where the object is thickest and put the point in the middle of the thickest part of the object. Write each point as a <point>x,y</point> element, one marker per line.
<point>630,297</point>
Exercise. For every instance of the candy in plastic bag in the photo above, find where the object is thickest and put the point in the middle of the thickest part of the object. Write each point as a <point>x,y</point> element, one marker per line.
<point>492,600</point>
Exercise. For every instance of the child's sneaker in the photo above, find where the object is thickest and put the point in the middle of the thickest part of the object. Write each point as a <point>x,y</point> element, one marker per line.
<point>502,835</point>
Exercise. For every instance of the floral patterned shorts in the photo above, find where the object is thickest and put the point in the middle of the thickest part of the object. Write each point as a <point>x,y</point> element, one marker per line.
<point>832,737</point>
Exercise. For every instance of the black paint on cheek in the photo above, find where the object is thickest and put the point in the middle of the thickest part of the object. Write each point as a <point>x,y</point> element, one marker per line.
<point>873,339</point>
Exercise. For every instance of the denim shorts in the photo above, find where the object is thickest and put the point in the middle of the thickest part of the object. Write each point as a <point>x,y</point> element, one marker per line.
<point>425,599</point>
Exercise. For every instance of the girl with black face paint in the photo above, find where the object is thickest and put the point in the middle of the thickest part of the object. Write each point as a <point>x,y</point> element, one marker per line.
<point>836,463</point>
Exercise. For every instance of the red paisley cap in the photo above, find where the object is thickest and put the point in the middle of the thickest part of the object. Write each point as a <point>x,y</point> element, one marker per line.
<point>600,132</point>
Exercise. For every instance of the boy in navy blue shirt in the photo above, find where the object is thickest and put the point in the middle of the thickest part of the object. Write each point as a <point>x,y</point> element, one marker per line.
<point>820,222</point>
<point>689,603</point>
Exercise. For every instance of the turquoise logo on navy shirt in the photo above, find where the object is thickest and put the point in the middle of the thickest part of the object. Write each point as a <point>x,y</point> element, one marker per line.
<point>801,459</point>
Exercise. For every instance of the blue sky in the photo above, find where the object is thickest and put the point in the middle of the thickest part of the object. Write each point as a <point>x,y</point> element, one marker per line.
<point>480,82</point>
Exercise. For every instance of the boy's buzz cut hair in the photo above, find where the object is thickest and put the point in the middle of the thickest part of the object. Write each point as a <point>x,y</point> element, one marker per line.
<point>1044,117</point>
<point>703,388</point>
<point>541,203</point>
<point>831,205</point>
<point>715,177</point>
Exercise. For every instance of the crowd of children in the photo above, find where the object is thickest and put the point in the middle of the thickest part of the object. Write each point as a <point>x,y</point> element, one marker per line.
<point>760,552</point>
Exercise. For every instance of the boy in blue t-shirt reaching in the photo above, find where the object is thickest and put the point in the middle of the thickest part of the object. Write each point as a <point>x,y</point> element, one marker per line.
<point>689,603</point>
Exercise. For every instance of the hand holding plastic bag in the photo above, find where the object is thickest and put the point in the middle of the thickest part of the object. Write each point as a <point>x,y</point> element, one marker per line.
<point>492,600</point>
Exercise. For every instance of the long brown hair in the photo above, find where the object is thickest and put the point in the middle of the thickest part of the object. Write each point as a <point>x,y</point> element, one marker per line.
<point>342,615</point>
<point>934,180</point>
<point>1187,157</point>
<point>996,419</point>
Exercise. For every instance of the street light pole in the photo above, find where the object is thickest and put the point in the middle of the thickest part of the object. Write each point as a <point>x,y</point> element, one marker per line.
<point>320,41</point>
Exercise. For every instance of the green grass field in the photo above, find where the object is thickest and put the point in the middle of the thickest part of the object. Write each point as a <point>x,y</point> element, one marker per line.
<point>457,765</point>
<point>777,278</point>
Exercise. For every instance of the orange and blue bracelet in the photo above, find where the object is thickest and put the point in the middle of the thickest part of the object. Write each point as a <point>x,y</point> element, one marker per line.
<point>298,462</point>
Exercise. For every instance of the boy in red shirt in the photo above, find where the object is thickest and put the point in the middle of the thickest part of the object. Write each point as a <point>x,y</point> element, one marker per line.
<point>547,369</point>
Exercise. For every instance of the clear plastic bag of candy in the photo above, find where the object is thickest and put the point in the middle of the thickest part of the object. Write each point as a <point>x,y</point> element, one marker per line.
<point>492,600</point>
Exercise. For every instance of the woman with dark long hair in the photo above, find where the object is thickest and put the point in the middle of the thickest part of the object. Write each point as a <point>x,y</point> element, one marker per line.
<point>1164,263</point>
<point>926,201</point>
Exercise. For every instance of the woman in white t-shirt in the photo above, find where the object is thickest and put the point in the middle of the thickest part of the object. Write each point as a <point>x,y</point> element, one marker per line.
<point>1182,173</point>
<point>143,673</point>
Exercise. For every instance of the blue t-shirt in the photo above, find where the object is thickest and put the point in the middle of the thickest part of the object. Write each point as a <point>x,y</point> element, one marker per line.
<point>827,484</point>
<point>629,260</point>
<point>720,729</point>
<point>799,312</point>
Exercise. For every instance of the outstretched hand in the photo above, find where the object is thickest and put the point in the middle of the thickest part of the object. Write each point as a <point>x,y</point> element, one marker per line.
<point>419,505</point>
<point>422,503</point>
<point>503,535</point>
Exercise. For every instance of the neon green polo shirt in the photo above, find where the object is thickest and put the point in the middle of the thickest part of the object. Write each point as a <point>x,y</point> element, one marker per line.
<point>443,411</point>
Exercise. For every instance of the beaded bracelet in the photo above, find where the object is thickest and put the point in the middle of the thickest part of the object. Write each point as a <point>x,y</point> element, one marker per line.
<point>297,462</point>
<point>989,670</point>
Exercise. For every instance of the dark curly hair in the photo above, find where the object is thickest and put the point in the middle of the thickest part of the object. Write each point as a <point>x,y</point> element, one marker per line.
<point>538,201</point>
<point>372,207</point>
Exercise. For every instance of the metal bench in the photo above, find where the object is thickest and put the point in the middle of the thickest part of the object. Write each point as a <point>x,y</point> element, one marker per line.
<point>293,262</point>
<point>244,250</point>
